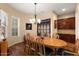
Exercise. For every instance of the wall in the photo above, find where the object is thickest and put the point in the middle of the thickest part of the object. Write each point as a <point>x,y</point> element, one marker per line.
<point>12,12</point>
<point>66,31</point>
<point>34,26</point>
<point>77,27</point>
<point>66,16</point>
<point>77,22</point>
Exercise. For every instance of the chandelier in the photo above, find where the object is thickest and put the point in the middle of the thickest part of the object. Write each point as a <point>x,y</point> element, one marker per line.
<point>35,20</point>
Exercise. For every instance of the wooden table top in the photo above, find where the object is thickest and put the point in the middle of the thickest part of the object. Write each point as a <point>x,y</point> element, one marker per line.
<point>53,42</point>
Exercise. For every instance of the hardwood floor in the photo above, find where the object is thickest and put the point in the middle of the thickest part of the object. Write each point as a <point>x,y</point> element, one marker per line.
<point>17,50</point>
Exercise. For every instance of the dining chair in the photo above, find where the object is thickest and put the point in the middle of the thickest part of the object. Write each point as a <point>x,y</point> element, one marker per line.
<point>32,46</point>
<point>55,36</point>
<point>41,47</point>
<point>27,43</point>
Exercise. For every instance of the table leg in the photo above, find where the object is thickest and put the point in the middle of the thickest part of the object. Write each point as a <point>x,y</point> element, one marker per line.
<point>56,49</point>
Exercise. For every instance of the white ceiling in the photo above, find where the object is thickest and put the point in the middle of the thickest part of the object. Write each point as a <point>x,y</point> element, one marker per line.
<point>44,7</point>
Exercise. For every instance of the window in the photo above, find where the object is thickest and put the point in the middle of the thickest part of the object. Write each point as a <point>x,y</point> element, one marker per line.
<point>3,23</point>
<point>15,26</point>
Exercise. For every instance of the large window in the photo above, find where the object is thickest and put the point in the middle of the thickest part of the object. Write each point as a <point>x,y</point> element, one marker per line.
<point>3,23</point>
<point>15,26</point>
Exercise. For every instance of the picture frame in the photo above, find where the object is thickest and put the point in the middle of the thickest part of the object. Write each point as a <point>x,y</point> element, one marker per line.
<point>28,26</point>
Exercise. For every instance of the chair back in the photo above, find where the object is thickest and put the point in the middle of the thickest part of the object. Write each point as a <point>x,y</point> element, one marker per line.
<point>41,47</point>
<point>27,43</point>
<point>55,36</point>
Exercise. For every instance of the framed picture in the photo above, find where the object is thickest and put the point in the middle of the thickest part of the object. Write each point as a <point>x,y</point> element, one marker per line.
<point>28,26</point>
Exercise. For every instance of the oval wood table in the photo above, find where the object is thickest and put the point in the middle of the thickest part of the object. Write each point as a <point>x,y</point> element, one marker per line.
<point>53,43</point>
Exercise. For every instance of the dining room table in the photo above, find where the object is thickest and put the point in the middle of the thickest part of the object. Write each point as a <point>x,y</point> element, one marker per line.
<point>52,43</point>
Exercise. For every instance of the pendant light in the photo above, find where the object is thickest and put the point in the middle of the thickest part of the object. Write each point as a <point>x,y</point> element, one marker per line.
<point>35,20</point>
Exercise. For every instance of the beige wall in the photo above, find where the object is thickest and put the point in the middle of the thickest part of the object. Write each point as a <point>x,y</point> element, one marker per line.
<point>12,12</point>
<point>77,27</point>
<point>66,31</point>
<point>66,16</point>
<point>77,22</point>
<point>34,27</point>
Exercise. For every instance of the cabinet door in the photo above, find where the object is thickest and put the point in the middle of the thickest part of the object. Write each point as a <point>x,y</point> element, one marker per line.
<point>68,23</point>
<point>60,24</point>
<point>71,23</point>
<point>44,27</point>
<point>65,24</point>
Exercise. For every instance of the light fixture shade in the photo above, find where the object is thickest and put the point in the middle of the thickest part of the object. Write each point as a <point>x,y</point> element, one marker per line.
<point>1,37</point>
<point>34,21</point>
<point>39,21</point>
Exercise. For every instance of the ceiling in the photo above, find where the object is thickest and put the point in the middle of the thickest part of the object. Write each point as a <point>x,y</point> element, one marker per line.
<point>44,7</point>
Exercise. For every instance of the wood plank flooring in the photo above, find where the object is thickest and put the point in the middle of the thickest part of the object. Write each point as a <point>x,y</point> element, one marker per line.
<point>17,50</point>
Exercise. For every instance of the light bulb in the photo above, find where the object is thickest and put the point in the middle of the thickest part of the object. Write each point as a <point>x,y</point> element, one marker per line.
<point>1,37</point>
<point>32,20</point>
<point>38,20</point>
